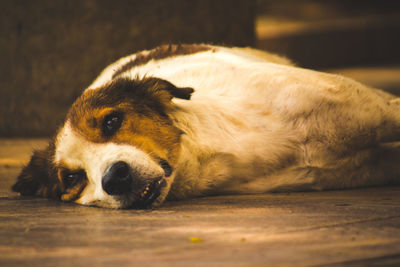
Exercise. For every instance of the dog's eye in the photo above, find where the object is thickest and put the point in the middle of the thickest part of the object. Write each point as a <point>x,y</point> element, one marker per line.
<point>71,179</point>
<point>166,167</point>
<point>112,123</point>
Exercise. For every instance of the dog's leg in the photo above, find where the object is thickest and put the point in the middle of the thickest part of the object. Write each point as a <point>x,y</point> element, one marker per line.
<point>359,119</point>
<point>376,165</point>
<point>390,130</point>
<point>370,167</point>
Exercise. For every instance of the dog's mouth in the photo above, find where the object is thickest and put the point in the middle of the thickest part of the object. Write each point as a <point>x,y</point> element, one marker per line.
<point>149,193</point>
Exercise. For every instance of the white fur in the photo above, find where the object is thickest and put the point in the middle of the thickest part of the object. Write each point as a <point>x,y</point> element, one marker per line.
<point>256,124</point>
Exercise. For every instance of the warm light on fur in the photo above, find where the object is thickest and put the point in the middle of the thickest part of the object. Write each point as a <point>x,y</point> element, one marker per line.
<point>187,121</point>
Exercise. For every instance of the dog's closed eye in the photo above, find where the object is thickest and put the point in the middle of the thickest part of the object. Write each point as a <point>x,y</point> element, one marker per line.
<point>166,167</point>
<point>71,179</point>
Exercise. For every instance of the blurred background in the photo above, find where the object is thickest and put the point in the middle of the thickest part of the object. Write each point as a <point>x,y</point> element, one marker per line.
<point>50,50</point>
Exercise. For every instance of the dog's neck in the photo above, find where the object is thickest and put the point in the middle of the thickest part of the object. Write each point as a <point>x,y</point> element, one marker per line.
<point>217,148</point>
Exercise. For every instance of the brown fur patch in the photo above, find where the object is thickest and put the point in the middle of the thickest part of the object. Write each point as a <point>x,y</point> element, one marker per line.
<point>143,105</point>
<point>161,52</point>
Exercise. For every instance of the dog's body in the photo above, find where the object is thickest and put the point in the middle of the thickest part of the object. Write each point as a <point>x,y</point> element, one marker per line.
<point>254,124</point>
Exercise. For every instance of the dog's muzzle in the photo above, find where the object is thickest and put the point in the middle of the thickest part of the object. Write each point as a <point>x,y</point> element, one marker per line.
<point>117,180</point>
<point>120,179</point>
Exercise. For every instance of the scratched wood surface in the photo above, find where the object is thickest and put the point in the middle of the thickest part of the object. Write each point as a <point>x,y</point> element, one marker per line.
<point>349,228</point>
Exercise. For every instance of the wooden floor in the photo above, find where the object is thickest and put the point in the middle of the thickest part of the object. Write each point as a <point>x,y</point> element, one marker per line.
<point>340,228</point>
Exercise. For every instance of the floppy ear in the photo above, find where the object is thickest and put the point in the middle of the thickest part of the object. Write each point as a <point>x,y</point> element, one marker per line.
<point>39,177</point>
<point>160,85</point>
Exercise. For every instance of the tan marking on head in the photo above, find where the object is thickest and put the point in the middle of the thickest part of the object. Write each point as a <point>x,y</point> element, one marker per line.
<point>74,193</point>
<point>70,193</point>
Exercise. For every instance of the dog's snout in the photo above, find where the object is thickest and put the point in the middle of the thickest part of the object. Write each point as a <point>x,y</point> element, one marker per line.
<point>117,179</point>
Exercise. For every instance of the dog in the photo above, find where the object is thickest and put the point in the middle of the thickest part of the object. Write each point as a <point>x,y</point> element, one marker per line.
<point>183,121</point>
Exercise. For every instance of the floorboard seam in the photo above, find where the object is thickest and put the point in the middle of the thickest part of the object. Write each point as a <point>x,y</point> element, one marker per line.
<point>343,224</point>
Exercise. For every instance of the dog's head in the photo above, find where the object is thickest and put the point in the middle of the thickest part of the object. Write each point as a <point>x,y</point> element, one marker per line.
<point>117,148</point>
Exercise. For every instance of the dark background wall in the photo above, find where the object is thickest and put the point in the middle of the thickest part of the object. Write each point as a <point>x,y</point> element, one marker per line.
<point>50,50</point>
<point>331,33</point>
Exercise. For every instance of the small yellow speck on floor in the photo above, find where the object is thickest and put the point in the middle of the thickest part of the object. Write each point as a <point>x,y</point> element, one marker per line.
<point>195,239</point>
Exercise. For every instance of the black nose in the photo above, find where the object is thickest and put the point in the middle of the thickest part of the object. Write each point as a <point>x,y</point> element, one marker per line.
<point>117,180</point>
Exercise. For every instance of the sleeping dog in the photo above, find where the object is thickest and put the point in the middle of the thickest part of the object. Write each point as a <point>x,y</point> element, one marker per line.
<point>182,121</point>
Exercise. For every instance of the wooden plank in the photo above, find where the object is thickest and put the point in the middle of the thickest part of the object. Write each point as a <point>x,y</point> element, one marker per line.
<point>305,228</point>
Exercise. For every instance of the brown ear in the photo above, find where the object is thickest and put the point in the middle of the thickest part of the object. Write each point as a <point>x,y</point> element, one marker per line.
<point>39,177</point>
<point>178,92</point>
